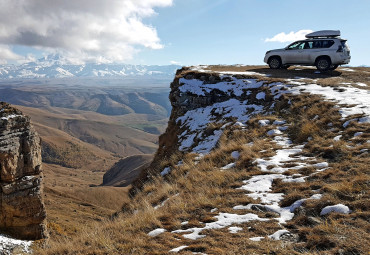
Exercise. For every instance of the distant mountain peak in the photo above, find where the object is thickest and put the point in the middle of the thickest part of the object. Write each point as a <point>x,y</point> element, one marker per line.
<point>56,66</point>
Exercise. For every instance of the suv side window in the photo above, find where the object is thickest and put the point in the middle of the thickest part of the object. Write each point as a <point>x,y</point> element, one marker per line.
<point>327,43</point>
<point>322,44</point>
<point>308,45</point>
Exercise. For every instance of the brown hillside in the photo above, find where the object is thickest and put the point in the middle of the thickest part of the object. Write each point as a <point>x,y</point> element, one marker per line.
<point>126,170</point>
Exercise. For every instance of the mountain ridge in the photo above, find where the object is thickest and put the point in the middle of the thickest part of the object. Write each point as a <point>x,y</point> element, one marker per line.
<point>54,66</point>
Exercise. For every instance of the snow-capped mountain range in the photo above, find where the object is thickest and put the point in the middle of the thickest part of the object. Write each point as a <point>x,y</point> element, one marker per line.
<point>54,66</point>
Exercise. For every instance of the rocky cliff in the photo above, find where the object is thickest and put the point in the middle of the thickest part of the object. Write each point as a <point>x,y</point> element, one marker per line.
<point>261,164</point>
<point>254,161</point>
<point>22,211</point>
<point>203,105</point>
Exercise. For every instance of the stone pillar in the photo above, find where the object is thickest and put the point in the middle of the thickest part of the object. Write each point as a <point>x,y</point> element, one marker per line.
<point>22,211</point>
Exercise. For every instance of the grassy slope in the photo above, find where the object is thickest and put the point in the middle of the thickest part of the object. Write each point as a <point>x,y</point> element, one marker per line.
<point>195,188</point>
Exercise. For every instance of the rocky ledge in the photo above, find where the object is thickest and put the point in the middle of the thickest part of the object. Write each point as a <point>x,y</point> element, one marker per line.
<point>22,211</point>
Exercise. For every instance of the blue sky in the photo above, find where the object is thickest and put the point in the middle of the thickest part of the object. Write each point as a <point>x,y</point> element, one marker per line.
<point>188,32</point>
<point>234,31</point>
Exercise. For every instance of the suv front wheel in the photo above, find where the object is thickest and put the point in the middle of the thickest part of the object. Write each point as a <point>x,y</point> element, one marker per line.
<point>274,63</point>
<point>323,64</point>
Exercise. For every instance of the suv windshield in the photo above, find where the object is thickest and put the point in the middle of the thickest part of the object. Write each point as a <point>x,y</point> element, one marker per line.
<point>296,45</point>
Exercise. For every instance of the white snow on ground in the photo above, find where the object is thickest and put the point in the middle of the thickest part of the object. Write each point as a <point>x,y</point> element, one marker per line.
<point>321,165</point>
<point>223,220</point>
<point>357,134</point>
<point>166,171</point>
<point>200,68</point>
<point>277,235</point>
<point>361,84</point>
<point>234,230</point>
<point>339,208</point>
<point>337,138</point>
<point>8,244</point>
<point>196,121</point>
<point>161,204</point>
<point>279,122</point>
<point>9,117</point>
<point>260,183</point>
<point>156,232</point>
<point>263,123</point>
<point>261,95</point>
<point>274,132</point>
<point>260,186</point>
<point>178,248</point>
<point>235,87</point>
<point>244,73</point>
<point>257,238</point>
<point>347,69</point>
<point>228,166</point>
<point>276,163</point>
<point>208,143</point>
<point>358,98</point>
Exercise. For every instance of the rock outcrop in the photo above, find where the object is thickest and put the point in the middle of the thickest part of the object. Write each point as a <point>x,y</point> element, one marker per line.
<point>22,211</point>
<point>198,99</point>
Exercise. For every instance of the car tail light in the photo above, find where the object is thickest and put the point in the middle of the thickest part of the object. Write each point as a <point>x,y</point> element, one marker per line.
<point>340,48</point>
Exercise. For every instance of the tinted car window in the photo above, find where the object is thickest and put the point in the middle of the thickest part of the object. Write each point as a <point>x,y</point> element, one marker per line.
<point>308,45</point>
<point>322,44</point>
<point>327,43</point>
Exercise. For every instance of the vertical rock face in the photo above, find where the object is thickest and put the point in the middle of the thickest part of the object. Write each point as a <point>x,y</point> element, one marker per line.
<point>22,211</point>
<point>199,99</point>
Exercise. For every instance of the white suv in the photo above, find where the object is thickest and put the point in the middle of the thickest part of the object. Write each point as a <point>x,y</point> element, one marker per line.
<point>323,49</point>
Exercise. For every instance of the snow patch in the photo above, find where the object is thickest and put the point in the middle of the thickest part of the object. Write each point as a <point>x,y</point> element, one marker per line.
<point>156,232</point>
<point>8,244</point>
<point>339,208</point>
<point>178,248</point>
<point>278,234</point>
<point>234,230</point>
<point>263,123</point>
<point>166,171</point>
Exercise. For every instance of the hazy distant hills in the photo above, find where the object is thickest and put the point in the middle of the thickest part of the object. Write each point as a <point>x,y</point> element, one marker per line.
<point>104,101</point>
<point>54,66</point>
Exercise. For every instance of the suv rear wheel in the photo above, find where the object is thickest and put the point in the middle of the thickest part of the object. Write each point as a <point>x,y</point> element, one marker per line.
<point>323,63</point>
<point>274,63</point>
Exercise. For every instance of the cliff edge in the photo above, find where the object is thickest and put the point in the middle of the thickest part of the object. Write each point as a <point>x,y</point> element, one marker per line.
<point>253,161</point>
<point>22,211</point>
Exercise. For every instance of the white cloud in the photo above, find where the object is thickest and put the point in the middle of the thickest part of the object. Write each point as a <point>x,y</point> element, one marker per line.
<point>173,62</point>
<point>7,54</point>
<point>109,30</point>
<point>291,37</point>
